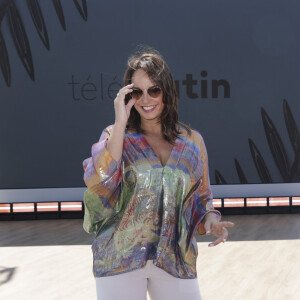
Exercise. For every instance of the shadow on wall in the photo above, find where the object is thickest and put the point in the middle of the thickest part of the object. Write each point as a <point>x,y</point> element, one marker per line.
<point>290,172</point>
<point>19,36</point>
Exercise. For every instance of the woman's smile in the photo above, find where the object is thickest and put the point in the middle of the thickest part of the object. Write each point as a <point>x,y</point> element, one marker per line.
<point>148,109</point>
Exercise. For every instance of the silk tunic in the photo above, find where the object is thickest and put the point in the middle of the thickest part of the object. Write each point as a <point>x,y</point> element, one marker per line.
<point>135,204</point>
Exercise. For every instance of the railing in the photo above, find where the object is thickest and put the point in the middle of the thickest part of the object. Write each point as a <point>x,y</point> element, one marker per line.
<point>41,210</point>
<point>258,205</point>
<point>75,209</point>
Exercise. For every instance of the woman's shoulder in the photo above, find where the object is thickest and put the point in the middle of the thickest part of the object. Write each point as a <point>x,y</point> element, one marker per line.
<point>191,133</point>
<point>106,132</point>
<point>197,135</point>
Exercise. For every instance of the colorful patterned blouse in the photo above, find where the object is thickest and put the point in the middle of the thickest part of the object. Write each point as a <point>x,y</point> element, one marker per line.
<point>141,210</point>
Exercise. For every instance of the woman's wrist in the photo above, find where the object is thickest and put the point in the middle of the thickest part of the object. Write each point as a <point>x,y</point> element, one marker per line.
<point>212,217</point>
<point>115,141</point>
<point>120,126</point>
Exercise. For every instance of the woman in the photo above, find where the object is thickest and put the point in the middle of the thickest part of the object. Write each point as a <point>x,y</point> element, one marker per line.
<point>148,191</point>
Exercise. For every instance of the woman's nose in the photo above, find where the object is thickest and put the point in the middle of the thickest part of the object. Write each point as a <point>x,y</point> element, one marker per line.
<point>144,97</point>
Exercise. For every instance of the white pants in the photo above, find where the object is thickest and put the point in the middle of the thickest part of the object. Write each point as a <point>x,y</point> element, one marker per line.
<point>133,285</point>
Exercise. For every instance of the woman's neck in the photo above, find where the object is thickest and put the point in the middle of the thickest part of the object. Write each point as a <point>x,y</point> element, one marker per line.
<point>151,127</point>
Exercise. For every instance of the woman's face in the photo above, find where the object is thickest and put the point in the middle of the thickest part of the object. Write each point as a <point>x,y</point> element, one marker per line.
<point>149,107</point>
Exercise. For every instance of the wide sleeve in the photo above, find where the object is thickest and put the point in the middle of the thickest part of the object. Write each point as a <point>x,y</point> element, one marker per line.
<point>103,177</point>
<point>206,197</point>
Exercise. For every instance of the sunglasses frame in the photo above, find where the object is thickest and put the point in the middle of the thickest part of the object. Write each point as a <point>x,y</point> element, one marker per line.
<point>140,92</point>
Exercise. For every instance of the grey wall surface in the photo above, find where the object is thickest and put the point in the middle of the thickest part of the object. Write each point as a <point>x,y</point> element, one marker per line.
<point>48,125</point>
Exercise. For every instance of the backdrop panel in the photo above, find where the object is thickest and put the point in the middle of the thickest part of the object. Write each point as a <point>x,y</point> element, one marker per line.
<point>236,65</point>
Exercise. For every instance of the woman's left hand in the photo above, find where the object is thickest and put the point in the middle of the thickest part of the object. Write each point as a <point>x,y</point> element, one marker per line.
<point>213,226</point>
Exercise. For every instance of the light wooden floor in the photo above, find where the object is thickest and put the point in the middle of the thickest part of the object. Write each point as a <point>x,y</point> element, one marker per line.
<point>51,259</point>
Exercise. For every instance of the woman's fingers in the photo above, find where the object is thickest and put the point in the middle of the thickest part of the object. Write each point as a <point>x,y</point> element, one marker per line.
<point>122,94</point>
<point>216,242</point>
<point>227,224</point>
<point>217,228</point>
<point>125,90</point>
<point>222,238</point>
<point>122,111</point>
<point>129,105</point>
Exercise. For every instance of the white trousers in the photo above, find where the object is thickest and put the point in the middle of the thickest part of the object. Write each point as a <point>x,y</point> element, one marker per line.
<point>133,285</point>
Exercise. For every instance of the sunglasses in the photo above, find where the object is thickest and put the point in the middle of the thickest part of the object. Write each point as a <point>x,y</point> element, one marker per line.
<point>153,92</point>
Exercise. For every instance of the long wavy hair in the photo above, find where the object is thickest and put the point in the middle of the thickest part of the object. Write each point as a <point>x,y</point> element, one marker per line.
<point>158,71</point>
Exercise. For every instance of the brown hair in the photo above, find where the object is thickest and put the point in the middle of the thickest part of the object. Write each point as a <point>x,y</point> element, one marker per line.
<point>158,71</point>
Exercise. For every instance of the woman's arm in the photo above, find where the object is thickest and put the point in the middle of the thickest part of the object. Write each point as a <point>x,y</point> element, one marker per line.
<point>205,191</point>
<point>211,223</point>
<point>115,141</point>
<point>101,166</point>
<point>103,170</point>
<point>103,176</point>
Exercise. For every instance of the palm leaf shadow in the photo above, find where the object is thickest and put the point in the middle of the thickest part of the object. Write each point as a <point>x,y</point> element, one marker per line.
<point>82,9</point>
<point>240,172</point>
<point>38,21</point>
<point>19,36</point>
<point>7,274</point>
<point>276,146</point>
<point>60,13</point>
<point>18,33</point>
<point>259,163</point>
<point>4,60</point>
<point>288,173</point>
<point>295,141</point>
<point>219,178</point>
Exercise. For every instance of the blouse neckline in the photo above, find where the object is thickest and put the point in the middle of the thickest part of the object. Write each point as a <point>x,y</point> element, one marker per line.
<point>150,154</point>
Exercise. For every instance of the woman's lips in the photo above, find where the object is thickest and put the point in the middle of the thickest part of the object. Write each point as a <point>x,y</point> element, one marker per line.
<point>149,109</point>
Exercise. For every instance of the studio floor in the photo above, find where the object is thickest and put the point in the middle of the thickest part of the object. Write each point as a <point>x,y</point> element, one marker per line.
<point>52,260</point>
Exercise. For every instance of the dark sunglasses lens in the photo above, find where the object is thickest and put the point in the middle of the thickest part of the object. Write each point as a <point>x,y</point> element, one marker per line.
<point>154,92</point>
<point>136,94</point>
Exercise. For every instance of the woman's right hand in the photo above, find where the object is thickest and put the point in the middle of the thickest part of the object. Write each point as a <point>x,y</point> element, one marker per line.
<point>122,110</point>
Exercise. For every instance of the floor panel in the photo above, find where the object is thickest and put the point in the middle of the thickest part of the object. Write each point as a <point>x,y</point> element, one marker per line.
<point>51,259</point>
